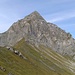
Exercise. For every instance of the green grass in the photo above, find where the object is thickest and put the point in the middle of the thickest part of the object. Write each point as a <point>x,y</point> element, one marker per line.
<point>16,65</point>
<point>40,61</point>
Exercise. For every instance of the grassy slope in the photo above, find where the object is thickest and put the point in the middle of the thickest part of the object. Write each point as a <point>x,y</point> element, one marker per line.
<point>40,61</point>
<point>16,65</point>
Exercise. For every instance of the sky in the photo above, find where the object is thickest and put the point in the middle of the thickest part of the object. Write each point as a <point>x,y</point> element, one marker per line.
<point>59,12</point>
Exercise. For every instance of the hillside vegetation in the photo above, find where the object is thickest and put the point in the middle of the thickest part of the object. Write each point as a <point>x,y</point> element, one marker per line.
<point>39,61</point>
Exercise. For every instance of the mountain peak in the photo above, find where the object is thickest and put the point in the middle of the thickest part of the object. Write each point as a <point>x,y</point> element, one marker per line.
<point>34,16</point>
<point>35,12</point>
<point>37,31</point>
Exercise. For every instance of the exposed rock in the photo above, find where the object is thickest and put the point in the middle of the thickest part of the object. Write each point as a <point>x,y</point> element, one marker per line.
<point>2,68</point>
<point>37,31</point>
<point>20,54</point>
<point>10,48</point>
<point>16,52</point>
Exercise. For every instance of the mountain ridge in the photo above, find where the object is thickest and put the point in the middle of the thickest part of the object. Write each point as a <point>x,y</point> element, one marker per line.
<point>37,31</point>
<point>32,46</point>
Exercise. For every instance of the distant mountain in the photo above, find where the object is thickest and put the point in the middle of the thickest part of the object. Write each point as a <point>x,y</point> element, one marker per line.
<point>37,31</point>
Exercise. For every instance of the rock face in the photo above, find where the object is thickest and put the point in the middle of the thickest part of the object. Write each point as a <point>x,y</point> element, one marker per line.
<point>37,31</point>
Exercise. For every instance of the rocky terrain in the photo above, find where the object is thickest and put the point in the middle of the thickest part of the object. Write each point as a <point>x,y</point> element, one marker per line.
<point>33,46</point>
<point>37,31</point>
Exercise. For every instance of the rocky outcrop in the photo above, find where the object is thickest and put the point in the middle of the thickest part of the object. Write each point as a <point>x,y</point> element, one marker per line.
<point>2,68</point>
<point>37,32</point>
<point>16,52</point>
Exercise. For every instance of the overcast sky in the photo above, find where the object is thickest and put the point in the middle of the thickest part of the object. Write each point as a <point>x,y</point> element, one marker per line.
<point>59,12</point>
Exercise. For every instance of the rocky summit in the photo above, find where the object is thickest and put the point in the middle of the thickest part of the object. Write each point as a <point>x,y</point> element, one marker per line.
<point>37,31</point>
<point>32,46</point>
